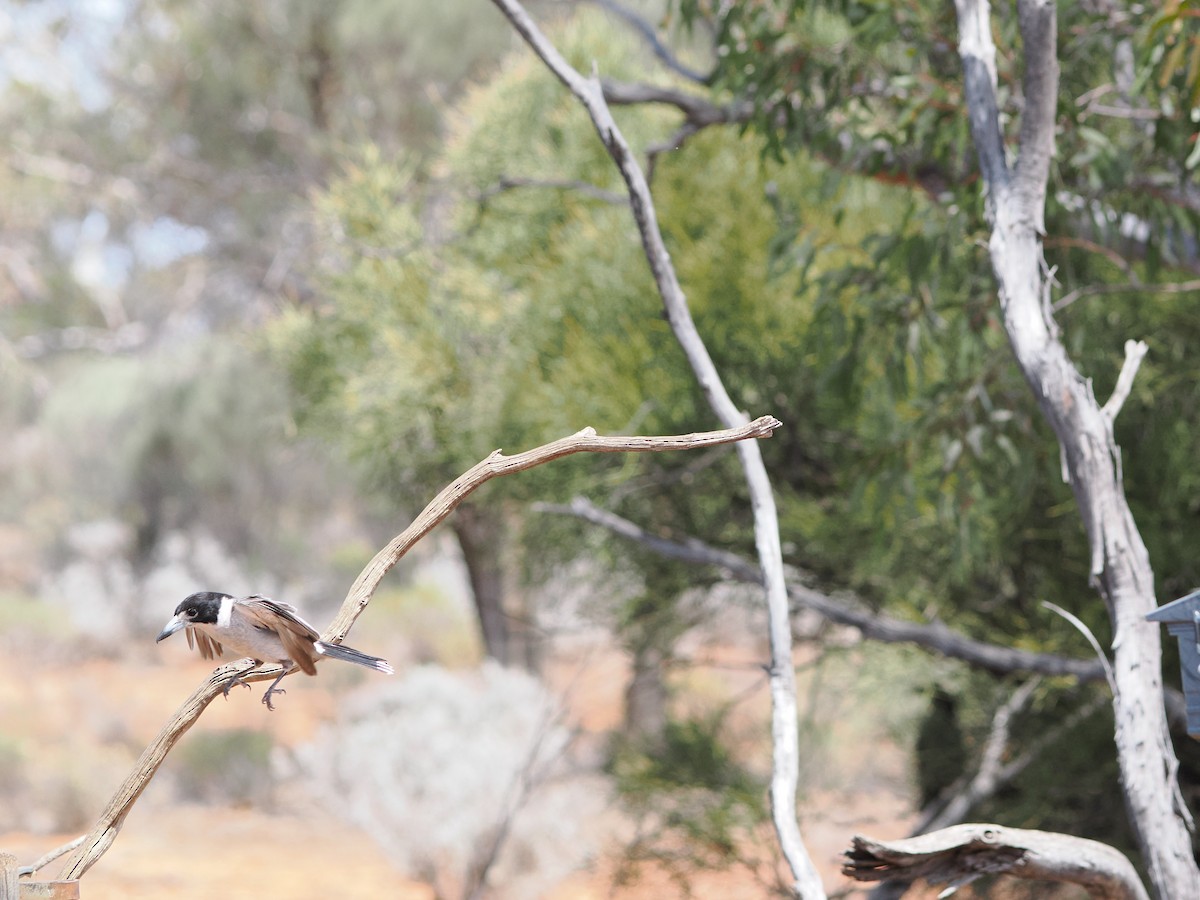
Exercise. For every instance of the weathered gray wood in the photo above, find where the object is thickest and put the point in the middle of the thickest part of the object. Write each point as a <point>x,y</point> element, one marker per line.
<point>8,877</point>
<point>1120,566</point>
<point>962,853</point>
<point>49,890</point>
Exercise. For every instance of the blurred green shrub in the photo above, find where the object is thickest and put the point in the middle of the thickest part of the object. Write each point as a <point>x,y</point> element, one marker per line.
<point>694,790</point>
<point>230,766</point>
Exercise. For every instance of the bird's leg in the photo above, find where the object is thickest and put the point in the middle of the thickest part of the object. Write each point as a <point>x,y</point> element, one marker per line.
<point>240,680</point>
<point>266,698</point>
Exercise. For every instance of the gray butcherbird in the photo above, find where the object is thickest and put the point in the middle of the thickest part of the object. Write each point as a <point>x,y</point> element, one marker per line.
<point>264,630</point>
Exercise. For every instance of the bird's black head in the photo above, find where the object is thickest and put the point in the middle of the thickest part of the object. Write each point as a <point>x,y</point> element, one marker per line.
<point>201,608</point>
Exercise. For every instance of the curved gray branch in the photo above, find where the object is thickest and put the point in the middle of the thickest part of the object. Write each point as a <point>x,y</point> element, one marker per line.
<point>784,734</point>
<point>512,182</point>
<point>646,30</point>
<point>936,637</point>
<point>697,109</point>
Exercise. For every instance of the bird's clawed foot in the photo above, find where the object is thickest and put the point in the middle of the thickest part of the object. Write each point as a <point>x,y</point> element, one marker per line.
<point>266,698</point>
<point>274,688</point>
<point>232,682</point>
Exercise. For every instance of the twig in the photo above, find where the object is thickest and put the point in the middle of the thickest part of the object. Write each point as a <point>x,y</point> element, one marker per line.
<point>785,769</point>
<point>1091,247</point>
<point>1134,352</point>
<point>1174,287</point>
<point>665,56</point>
<point>105,831</point>
<point>935,636</point>
<point>697,109</point>
<point>50,857</point>
<point>524,782</point>
<point>1082,628</point>
<point>512,182</point>
<point>1121,112</point>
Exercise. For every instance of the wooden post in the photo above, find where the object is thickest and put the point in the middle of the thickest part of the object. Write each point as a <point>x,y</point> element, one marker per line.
<point>49,890</point>
<point>13,888</point>
<point>8,877</point>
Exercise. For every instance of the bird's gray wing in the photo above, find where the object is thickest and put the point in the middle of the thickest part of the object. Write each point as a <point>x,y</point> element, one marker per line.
<point>296,634</point>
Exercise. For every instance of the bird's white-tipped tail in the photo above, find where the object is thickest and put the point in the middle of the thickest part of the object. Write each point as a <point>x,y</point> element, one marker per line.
<point>349,654</point>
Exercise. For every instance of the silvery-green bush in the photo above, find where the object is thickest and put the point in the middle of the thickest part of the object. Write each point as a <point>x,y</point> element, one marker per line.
<point>436,764</point>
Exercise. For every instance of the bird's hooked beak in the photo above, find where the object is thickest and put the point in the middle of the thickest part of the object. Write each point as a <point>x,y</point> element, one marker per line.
<point>177,623</point>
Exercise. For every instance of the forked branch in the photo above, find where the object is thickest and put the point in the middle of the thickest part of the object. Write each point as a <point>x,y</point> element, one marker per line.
<point>105,831</point>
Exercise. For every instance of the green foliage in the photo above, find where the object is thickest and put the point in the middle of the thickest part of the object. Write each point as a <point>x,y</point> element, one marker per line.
<point>876,88</point>
<point>170,441</point>
<point>691,787</point>
<point>438,630</point>
<point>451,351</point>
<point>12,765</point>
<point>22,618</point>
<point>228,766</point>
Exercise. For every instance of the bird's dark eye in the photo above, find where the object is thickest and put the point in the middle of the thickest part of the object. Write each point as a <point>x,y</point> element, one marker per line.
<point>190,613</point>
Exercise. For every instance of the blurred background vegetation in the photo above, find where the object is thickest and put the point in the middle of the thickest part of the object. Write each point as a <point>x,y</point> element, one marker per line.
<point>272,274</point>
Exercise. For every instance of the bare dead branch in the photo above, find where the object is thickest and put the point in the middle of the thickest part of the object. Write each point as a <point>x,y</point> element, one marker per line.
<point>105,831</point>
<point>963,853</point>
<point>646,30</point>
<point>697,110</point>
<point>1038,23</point>
<point>1091,290</point>
<point>978,53</point>
<point>512,182</point>
<point>934,636</point>
<point>784,737</point>
<point>50,857</point>
<point>1088,636</point>
<point>109,341</point>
